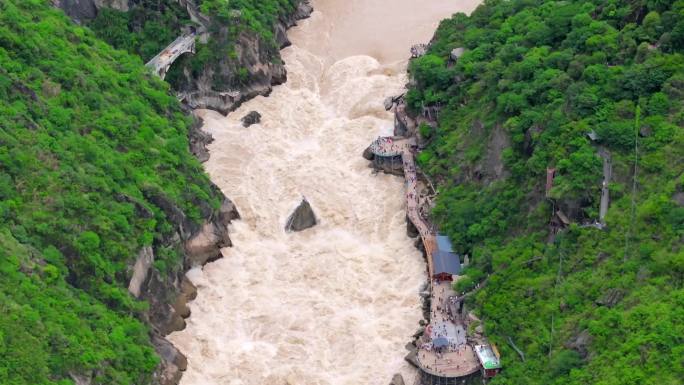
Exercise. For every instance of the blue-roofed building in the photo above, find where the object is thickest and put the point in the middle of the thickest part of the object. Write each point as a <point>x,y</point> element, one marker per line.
<point>444,244</point>
<point>445,262</point>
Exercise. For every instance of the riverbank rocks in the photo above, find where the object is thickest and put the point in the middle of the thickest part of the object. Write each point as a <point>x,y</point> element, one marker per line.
<point>397,379</point>
<point>412,358</point>
<point>173,362</point>
<point>301,218</point>
<point>390,101</point>
<point>205,246</point>
<point>411,230</point>
<point>368,153</point>
<point>199,140</point>
<point>251,118</point>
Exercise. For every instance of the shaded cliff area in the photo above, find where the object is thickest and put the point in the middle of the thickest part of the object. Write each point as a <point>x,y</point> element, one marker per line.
<point>554,133</point>
<point>103,206</point>
<point>238,50</point>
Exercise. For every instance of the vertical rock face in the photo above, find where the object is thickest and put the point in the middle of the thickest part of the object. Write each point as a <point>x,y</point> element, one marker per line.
<point>302,218</point>
<point>140,270</point>
<point>84,10</point>
<point>219,87</point>
<point>168,292</point>
<point>199,140</point>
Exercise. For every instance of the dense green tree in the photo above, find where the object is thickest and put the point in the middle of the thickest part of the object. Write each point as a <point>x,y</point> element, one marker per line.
<point>586,305</point>
<point>89,140</point>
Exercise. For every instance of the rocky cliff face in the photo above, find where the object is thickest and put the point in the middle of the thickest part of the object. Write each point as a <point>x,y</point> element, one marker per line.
<point>84,10</point>
<point>223,81</point>
<point>168,292</point>
<point>252,70</point>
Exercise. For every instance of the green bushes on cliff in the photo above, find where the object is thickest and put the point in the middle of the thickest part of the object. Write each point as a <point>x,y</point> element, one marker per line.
<point>149,26</point>
<point>145,30</point>
<point>258,16</point>
<point>91,149</point>
<point>537,80</point>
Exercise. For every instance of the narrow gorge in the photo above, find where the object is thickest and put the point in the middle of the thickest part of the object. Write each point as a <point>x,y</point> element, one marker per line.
<point>330,192</point>
<point>334,304</point>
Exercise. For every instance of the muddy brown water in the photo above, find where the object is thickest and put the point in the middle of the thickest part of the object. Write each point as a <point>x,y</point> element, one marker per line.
<point>333,305</point>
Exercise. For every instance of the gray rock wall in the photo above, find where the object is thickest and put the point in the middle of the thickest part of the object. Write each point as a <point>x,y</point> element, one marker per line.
<point>84,10</point>
<point>169,292</point>
<point>262,62</point>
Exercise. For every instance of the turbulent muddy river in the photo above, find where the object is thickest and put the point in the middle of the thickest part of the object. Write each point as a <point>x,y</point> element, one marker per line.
<point>334,304</point>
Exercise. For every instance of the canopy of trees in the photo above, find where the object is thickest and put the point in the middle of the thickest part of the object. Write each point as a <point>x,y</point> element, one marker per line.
<point>537,80</point>
<point>88,139</point>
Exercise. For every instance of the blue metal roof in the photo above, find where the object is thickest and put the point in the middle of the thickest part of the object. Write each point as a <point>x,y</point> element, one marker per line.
<point>440,342</point>
<point>446,262</point>
<point>444,244</point>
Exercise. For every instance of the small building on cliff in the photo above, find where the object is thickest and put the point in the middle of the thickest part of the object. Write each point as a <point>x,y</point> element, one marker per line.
<point>489,359</point>
<point>446,263</point>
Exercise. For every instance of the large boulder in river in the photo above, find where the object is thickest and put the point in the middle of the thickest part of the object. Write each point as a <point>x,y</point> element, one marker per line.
<point>302,218</point>
<point>251,118</point>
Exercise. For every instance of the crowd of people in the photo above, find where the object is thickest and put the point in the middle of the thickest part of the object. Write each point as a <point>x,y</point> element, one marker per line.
<point>433,354</point>
<point>386,145</point>
<point>436,357</point>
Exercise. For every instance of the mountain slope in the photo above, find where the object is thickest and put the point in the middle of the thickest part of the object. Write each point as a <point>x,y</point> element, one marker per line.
<point>94,167</point>
<point>546,87</point>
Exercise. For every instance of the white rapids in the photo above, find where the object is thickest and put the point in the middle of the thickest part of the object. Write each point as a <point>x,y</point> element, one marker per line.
<point>335,304</point>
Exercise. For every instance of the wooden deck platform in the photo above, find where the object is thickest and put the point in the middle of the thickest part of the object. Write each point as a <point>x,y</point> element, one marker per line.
<point>457,359</point>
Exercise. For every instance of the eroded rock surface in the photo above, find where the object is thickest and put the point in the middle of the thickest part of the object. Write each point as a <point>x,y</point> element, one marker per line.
<point>140,270</point>
<point>301,218</point>
<point>251,118</point>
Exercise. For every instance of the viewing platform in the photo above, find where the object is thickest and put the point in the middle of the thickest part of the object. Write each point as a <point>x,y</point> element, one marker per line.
<point>444,351</point>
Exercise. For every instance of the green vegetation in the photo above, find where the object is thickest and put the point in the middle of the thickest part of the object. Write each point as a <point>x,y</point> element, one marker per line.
<point>257,16</point>
<point>145,30</point>
<point>151,25</point>
<point>586,306</point>
<point>231,22</point>
<point>88,141</point>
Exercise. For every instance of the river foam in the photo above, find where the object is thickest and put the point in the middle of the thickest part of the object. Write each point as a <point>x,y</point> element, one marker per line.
<point>335,304</point>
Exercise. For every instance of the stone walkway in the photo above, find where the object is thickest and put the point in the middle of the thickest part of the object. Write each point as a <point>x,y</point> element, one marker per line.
<point>395,146</point>
<point>457,359</point>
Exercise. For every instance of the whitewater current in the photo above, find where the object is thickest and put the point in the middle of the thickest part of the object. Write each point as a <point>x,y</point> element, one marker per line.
<point>335,304</point>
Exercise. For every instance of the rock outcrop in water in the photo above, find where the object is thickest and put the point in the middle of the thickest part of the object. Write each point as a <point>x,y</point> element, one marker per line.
<point>397,380</point>
<point>301,218</point>
<point>252,117</point>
